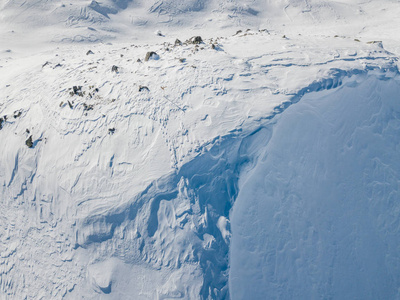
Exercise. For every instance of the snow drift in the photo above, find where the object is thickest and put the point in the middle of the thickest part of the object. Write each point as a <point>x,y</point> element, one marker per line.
<point>313,192</point>
<point>317,216</point>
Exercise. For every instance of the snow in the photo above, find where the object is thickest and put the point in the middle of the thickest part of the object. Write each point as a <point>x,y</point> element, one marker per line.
<point>262,163</point>
<point>318,210</point>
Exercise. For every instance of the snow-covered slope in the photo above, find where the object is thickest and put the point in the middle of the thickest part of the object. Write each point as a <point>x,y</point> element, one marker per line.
<point>258,164</point>
<point>319,210</point>
<point>32,24</point>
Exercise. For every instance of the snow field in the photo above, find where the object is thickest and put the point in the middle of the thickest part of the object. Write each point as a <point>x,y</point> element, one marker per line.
<point>129,192</point>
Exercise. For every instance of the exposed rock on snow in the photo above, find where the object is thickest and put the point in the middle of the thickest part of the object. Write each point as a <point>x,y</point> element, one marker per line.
<point>77,90</point>
<point>29,142</point>
<point>195,40</point>
<point>143,88</point>
<point>114,69</point>
<point>178,42</point>
<point>151,55</point>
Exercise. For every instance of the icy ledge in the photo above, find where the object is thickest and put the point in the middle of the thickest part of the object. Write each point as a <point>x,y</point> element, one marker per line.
<point>315,214</point>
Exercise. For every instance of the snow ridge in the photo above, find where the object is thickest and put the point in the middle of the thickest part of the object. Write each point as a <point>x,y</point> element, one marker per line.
<point>185,210</point>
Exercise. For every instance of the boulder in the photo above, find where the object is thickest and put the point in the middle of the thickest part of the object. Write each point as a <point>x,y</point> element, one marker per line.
<point>151,55</point>
<point>77,90</point>
<point>87,107</point>
<point>29,142</point>
<point>17,114</point>
<point>195,40</point>
<point>111,130</point>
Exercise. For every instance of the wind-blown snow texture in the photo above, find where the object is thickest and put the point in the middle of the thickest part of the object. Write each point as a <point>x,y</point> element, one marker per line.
<point>318,212</point>
<point>262,164</point>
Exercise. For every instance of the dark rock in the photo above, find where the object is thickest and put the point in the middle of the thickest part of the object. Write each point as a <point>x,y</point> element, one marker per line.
<point>77,89</point>
<point>139,60</point>
<point>1,123</point>
<point>239,31</point>
<point>151,55</point>
<point>178,42</point>
<point>70,105</point>
<point>89,52</point>
<point>45,64</point>
<point>114,69</point>
<point>29,142</point>
<point>27,131</point>
<point>17,114</point>
<point>143,88</point>
<point>195,40</point>
<point>111,130</point>
<point>87,107</point>
<point>182,60</point>
<point>212,46</point>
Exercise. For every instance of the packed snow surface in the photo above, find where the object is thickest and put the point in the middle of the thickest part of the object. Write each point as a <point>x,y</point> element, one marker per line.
<point>260,163</point>
<point>319,210</point>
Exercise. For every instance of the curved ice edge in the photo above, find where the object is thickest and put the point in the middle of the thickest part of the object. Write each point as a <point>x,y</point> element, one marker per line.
<point>337,78</point>
<point>208,186</point>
